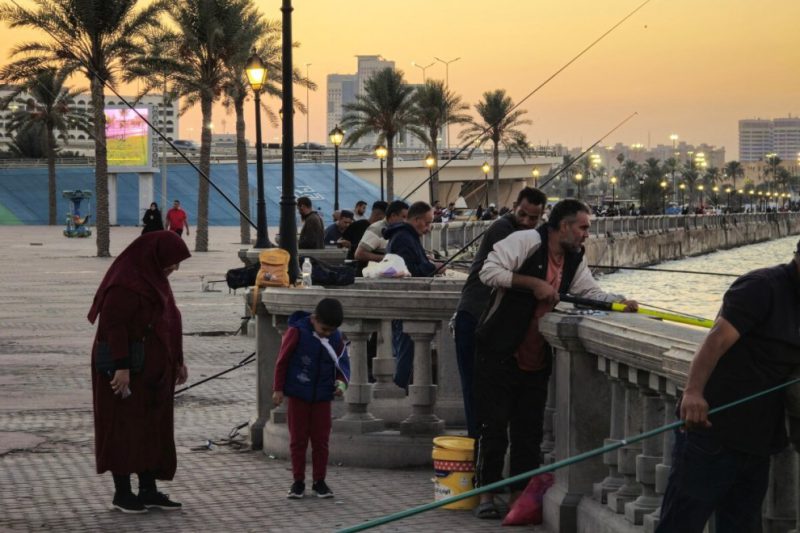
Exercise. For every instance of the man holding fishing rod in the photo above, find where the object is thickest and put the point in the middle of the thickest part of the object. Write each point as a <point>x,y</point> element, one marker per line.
<point>528,270</point>
<point>721,465</point>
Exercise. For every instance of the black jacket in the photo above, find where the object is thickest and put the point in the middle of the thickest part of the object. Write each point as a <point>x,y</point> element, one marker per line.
<point>152,221</point>
<point>405,242</point>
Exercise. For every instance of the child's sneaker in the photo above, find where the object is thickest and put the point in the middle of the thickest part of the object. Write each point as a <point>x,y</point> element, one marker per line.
<point>297,490</point>
<point>321,489</point>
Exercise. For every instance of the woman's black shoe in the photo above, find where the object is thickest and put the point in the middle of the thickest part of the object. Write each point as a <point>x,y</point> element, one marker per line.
<point>128,502</point>
<point>158,500</point>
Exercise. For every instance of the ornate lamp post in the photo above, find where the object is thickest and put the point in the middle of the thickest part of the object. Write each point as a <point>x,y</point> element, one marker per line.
<point>663,196</point>
<point>613,181</point>
<point>728,190</point>
<point>430,161</point>
<point>337,136</point>
<point>535,174</point>
<point>256,76</point>
<point>380,153</point>
<point>701,188</point>
<point>486,168</point>
<point>579,179</point>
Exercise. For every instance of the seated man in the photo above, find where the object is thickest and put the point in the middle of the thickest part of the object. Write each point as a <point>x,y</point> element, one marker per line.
<point>405,240</point>
<point>356,230</point>
<point>334,234</point>
<point>372,246</point>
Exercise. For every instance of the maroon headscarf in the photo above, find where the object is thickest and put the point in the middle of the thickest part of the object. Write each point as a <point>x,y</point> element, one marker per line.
<point>140,268</point>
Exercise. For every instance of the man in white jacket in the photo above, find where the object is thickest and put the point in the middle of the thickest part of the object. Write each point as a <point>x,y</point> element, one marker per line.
<point>513,360</point>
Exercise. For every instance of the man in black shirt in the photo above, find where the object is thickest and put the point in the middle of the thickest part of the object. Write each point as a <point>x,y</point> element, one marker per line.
<point>721,465</point>
<point>526,214</point>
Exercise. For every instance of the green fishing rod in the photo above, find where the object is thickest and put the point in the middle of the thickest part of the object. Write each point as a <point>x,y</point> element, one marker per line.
<point>620,307</point>
<point>554,466</point>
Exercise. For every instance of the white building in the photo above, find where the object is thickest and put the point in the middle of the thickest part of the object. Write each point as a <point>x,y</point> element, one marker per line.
<point>759,137</point>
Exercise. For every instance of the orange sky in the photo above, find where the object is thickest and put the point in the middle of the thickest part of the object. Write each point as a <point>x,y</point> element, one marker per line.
<point>692,67</point>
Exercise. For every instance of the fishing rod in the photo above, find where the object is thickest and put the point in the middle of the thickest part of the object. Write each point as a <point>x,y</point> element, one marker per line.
<point>534,91</point>
<point>158,132</point>
<point>244,362</point>
<point>551,178</point>
<point>676,271</point>
<point>616,306</point>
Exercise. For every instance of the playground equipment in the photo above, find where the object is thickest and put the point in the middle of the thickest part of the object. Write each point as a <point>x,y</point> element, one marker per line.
<point>77,226</point>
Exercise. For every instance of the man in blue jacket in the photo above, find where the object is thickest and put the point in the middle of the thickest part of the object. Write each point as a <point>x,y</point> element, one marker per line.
<point>405,241</point>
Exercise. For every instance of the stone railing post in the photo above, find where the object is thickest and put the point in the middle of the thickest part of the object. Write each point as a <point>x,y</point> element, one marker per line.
<point>383,365</point>
<point>449,402</point>
<point>626,456</point>
<point>665,466</point>
<point>278,414</point>
<point>613,480</point>
<point>422,392</point>
<point>648,501</point>
<point>268,343</point>
<point>548,425</point>
<point>357,419</point>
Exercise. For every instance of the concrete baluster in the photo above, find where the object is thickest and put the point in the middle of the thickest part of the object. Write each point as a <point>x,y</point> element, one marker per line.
<point>357,419</point>
<point>614,480</point>
<point>626,456</point>
<point>449,403</point>
<point>664,467</point>
<point>268,341</point>
<point>549,438</point>
<point>384,364</point>
<point>278,414</point>
<point>422,393</point>
<point>648,501</point>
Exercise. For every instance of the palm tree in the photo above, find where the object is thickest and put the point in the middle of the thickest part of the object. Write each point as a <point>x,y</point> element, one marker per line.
<point>95,38</point>
<point>734,169</point>
<point>435,106</point>
<point>498,123</point>
<point>209,33</point>
<point>385,108</point>
<point>46,112</point>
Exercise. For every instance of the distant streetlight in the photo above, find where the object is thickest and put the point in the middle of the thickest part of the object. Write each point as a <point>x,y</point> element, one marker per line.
<point>535,174</point>
<point>430,161</point>
<point>641,193</point>
<point>674,138</point>
<point>613,181</point>
<point>423,68</point>
<point>579,179</point>
<point>336,136</point>
<point>682,187</point>
<point>729,190</point>
<point>257,76</point>
<point>701,188</point>
<point>715,190</point>
<point>380,153</point>
<point>447,85</point>
<point>663,196</point>
<point>308,113</point>
<point>486,168</point>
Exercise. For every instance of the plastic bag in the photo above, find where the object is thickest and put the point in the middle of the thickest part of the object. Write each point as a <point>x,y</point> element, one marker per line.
<point>392,266</point>
<point>528,507</point>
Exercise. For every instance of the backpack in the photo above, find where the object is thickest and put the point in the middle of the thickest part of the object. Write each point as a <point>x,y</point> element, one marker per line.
<point>239,278</point>
<point>323,273</point>
<point>273,272</point>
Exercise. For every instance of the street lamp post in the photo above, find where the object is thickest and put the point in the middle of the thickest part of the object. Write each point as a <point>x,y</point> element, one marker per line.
<point>579,179</point>
<point>486,168</point>
<point>423,68</point>
<point>535,174</point>
<point>256,76</point>
<point>674,138</point>
<point>447,85</point>
<point>381,152</point>
<point>613,181</point>
<point>641,194</point>
<point>308,115</point>
<point>663,196</point>
<point>288,225</point>
<point>682,187</point>
<point>701,188</point>
<point>429,162</point>
<point>728,190</point>
<point>337,136</point>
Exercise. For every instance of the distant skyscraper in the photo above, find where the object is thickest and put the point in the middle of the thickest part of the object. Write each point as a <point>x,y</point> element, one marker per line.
<point>759,137</point>
<point>341,91</point>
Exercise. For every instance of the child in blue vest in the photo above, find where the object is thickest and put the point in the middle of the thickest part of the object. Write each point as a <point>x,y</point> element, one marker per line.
<point>312,368</point>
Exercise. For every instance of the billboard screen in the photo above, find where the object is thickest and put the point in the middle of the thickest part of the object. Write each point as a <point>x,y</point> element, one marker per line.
<point>128,139</point>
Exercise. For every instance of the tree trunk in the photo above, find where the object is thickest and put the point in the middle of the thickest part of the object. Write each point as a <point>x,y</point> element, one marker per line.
<point>100,169</point>
<point>496,160</point>
<point>241,166</point>
<point>201,234</point>
<point>389,168</point>
<point>50,150</point>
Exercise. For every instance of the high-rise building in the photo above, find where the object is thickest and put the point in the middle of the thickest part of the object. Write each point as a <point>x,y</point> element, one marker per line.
<point>759,137</point>
<point>341,90</point>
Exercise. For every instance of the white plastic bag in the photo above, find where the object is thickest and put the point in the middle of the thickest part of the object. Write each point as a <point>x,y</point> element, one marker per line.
<point>392,266</point>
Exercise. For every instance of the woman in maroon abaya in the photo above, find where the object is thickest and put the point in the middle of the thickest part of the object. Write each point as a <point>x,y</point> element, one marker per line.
<point>133,404</point>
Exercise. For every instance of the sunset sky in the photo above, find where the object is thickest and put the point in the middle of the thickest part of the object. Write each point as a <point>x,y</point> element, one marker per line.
<point>691,67</point>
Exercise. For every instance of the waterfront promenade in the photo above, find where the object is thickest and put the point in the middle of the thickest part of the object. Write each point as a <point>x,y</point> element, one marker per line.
<point>47,477</point>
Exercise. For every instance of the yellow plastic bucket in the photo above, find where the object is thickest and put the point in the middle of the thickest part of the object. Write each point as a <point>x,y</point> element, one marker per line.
<point>453,470</point>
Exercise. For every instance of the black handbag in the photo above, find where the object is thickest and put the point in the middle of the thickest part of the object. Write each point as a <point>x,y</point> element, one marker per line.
<point>104,363</point>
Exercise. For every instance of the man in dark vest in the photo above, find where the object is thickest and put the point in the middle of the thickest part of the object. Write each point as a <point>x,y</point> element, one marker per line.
<point>528,270</point>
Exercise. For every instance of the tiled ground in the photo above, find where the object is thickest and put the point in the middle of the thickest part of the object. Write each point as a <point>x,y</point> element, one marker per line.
<point>46,286</point>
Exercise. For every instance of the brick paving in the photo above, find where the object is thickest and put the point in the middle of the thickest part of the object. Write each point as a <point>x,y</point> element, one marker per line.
<point>47,476</point>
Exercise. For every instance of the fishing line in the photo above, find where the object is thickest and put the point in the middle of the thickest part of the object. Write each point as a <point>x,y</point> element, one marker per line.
<point>492,487</point>
<point>676,271</point>
<point>106,84</point>
<point>534,91</point>
<point>244,362</point>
